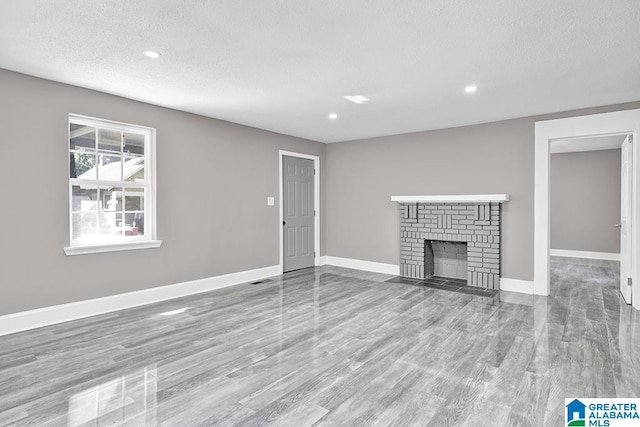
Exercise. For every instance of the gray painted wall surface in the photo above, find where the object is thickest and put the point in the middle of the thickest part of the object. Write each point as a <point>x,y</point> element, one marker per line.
<point>494,157</point>
<point>585,201</point>
<point>213,181</point>
<point>213,225</point>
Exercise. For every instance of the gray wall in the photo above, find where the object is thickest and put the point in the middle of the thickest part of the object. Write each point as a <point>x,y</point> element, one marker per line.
<point>214,220</point>
<point>213,181</point>
<point>585,201</point>
<point>488,158</point>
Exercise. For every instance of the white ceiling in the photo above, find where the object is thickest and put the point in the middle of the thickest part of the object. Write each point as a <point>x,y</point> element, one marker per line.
<point>592,143</point>
<point>284,65</point>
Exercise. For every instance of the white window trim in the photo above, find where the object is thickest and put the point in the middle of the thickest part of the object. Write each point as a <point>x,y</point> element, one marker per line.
<point>150,202</point>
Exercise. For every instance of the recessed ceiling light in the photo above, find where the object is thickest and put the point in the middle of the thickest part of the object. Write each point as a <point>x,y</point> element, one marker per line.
<point>152,54</point>
<point>333,116</point>
<point>470,88</point>
<point>357,99</point>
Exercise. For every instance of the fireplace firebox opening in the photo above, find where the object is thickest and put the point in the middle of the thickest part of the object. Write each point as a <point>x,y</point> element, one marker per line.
<point>445,259</point>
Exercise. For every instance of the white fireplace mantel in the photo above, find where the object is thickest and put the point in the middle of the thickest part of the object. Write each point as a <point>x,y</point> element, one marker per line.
<point>453,198</point>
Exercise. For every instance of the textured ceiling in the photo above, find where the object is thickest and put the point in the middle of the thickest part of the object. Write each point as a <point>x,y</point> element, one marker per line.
<point>284,65</point>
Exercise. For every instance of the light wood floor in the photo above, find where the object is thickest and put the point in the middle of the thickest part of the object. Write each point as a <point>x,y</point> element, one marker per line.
<point>332,346</point>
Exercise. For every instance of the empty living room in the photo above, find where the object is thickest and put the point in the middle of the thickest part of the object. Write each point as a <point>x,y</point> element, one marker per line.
<point>320,213</point>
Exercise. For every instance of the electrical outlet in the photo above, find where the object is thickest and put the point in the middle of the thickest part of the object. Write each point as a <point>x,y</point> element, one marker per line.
<point>271,201</point>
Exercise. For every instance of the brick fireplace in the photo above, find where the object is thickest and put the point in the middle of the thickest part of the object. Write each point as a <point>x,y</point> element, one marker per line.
<point>435,229</point>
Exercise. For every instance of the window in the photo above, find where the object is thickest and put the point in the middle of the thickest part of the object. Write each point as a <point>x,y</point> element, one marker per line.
<point>111,186</point>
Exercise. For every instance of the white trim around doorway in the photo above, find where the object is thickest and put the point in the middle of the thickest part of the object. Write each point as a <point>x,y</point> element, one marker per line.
<point>316,203</point>
<point>615,123</point>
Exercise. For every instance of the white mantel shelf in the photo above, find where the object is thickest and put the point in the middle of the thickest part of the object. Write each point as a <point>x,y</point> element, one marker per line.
<point>453,198</point>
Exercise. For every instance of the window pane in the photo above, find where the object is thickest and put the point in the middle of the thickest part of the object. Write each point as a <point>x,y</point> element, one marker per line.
<point>84,198</point>
<point>82,137</point>
<point>136,222</point>
<point>82,165</point>
<point>106,223</point>
<point>109,167</point>
<point>133,169</point>
<point>112,216</point>
<point>134,199</point>
<point>134,211</point>
<point>133,144</point>
<point>84,227</point>
<point>121,225</point>
<point>111,198</point>
<point>109,140</point>
<point>111,224</point>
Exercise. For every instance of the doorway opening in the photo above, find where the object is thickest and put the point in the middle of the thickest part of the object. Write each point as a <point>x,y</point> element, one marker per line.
<point>586,201</point>
<point>601,125</point>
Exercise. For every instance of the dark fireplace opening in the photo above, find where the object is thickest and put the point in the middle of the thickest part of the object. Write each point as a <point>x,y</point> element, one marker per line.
<point>445,259</point>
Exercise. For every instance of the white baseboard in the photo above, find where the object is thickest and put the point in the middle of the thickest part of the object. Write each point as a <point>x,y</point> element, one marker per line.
<point>512,285</point>
<point>357,264</point>
<point>517,285</point>
<point>585,254</point>
<point>25,320</point>
<point>32,319</point>
<point>322,260</point>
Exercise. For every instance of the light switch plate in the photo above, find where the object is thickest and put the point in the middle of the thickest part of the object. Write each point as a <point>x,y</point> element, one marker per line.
<point>271,201</point>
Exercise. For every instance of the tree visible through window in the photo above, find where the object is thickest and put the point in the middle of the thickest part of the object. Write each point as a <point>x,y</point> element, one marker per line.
<point>109,182</point>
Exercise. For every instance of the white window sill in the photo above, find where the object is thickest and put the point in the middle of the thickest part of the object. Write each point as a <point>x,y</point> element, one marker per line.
<point>112,247</point>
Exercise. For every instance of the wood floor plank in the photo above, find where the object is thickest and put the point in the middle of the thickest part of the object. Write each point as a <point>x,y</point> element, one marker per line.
<point>332,346</point>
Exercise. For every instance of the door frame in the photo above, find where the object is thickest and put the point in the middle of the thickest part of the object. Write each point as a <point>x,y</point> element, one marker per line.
<point>316,203</point>
<point>615,123</point>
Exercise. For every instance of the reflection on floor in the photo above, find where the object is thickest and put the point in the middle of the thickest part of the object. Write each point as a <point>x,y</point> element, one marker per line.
<point>332,346</point>
<point>131,398</point>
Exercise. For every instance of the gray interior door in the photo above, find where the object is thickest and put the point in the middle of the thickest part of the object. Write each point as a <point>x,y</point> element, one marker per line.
<point>298,213</point>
